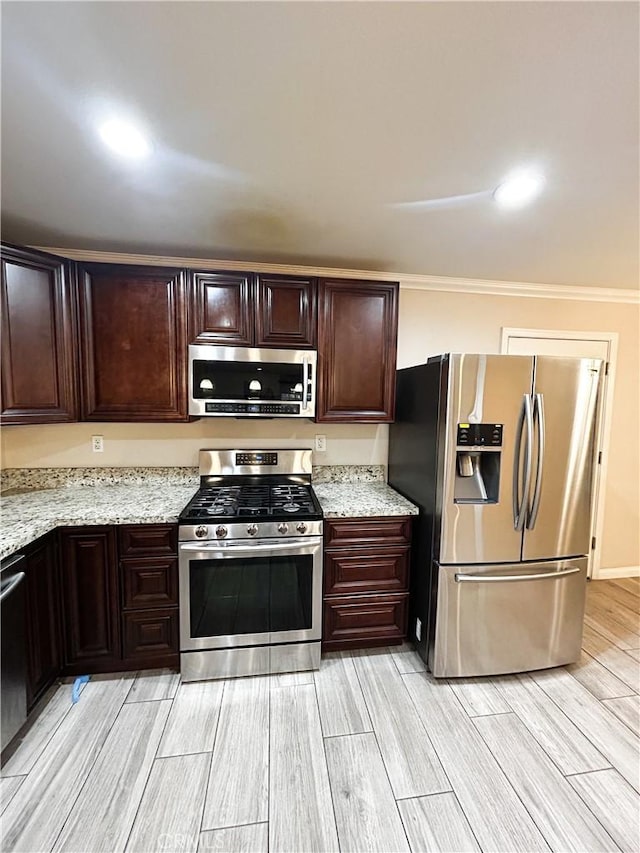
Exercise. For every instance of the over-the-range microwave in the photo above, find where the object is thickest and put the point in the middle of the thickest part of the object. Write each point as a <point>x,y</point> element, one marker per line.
<point>251,382</point>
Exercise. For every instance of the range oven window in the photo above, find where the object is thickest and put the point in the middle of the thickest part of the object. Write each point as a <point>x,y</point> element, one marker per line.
<point>251,595</point>
<point>231,380</point>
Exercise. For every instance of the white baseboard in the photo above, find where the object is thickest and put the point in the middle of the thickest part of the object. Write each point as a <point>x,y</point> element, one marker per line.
<point>617,572</point>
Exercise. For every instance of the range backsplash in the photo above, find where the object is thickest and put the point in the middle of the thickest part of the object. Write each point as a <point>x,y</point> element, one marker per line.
<point>49,478</point>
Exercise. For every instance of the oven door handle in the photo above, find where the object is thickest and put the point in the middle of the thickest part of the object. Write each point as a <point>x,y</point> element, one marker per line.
<point>233,550</point>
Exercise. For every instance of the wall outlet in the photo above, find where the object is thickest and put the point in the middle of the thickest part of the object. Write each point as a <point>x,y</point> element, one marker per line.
<point>97,443</point>
<point>321,443</point>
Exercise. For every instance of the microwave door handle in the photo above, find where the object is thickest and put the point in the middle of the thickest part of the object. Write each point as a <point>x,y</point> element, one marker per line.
<point>305,384</point>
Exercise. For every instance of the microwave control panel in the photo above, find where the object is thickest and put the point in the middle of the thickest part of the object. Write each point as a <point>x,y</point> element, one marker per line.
<point>252,408</point>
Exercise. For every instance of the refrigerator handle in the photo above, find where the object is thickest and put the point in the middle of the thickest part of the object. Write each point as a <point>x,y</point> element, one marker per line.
<point>538,415</point>
<point>460,578</point>
<point>519,502</point>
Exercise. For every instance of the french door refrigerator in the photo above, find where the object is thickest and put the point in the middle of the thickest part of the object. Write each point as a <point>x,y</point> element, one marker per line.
<point>497,451</point>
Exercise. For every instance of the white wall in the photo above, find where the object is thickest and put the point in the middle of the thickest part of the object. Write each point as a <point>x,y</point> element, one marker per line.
<point>130,445</point>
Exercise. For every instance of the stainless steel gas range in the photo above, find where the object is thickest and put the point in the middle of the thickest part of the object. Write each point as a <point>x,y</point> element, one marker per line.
<point>250,566</point>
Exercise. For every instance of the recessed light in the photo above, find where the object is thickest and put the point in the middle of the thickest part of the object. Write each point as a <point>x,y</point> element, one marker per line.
<point>125,139</point>
<point>518,189</point>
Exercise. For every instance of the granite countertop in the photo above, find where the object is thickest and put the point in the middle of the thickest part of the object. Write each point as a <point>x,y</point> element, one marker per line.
<point>353,500</point>
<point>28,515</point>
<point>37,501</point>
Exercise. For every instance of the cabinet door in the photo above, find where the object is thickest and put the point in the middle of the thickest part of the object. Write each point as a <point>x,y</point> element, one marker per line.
<point>220,308</point>
<point>149,582</point>
<point>357,570</point>
<point>44,649</point>
<point>38,361</point>
<point>357,333</point>
<point>150,637</point>
<point>133,338</point>
<point>90,598</point>
<point>285,312</point>
<point>364,621</point>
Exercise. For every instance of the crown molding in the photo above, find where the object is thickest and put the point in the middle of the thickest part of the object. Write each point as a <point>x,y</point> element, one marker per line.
<point>486,287</point>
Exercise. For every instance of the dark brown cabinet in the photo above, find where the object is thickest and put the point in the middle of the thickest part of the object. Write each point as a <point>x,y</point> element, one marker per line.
<point>133,343</point>
<point>119,597</point>
<point>285,312</point>
<point>148,561</point>
<point>245,309</point>
<point>357,335</point>
<point>90,599</point>
<point>220,308</point>
<point>366,582</point>
<point>43,626</point>
<point>39,382</point>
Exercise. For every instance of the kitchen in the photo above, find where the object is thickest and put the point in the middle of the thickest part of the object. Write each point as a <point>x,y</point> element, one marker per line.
<point>411,778</point>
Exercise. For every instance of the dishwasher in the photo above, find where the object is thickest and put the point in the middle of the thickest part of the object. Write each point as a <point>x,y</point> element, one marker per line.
<point>14,673</point>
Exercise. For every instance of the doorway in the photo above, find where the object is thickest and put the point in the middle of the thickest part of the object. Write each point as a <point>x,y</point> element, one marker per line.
<point>602,345</point>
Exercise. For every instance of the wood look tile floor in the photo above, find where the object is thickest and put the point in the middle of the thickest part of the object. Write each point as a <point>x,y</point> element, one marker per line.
<point>370,753</point>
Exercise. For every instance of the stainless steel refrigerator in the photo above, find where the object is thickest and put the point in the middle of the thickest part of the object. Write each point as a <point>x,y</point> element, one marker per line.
<point>498,452</point>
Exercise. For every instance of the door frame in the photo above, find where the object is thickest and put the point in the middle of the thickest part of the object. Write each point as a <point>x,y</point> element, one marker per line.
<point>603,428</point>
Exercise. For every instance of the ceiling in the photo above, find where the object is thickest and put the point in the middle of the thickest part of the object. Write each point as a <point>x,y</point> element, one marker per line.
<point>289,133</point>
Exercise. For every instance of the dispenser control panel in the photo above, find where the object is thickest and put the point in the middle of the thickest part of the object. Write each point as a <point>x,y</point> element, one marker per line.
<point>479,435</point>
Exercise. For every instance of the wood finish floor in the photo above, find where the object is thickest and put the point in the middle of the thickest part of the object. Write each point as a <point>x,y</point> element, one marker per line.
<point>368,754</point>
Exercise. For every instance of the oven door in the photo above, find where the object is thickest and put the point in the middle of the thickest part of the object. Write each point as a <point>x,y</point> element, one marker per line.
<point>250,594</point>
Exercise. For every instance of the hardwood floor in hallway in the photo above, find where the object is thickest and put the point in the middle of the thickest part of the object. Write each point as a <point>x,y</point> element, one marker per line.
<point>370,753</point>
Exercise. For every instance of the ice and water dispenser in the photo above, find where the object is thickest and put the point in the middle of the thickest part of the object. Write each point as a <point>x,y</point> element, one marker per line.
<point>478,457</point>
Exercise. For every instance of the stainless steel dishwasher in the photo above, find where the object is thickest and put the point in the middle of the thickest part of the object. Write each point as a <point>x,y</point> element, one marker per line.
<point>14,672</point>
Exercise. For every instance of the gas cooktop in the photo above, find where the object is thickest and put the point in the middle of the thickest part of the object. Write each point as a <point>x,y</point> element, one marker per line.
<point>251,498</point>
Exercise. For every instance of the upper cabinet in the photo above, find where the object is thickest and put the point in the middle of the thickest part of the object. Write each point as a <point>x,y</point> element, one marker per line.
<point>133,343</point>
<point>220,308</point>
<point>243,309</point>
<point>105,342</point>
<point>285,310</point>
<point>357,334</point>
<point>38,339</point>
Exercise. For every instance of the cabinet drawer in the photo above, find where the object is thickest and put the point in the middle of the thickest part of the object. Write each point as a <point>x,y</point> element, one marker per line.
<point>149,583</point>
<point>352,621</point>
<point>150,633</point>
<point>146,540</point>
<point>366,570</point>
<point>390,530</point>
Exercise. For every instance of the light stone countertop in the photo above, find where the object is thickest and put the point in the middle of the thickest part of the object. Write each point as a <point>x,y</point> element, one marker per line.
<point>31,514</point>
<point>357,500</point>
<point>34,512</point>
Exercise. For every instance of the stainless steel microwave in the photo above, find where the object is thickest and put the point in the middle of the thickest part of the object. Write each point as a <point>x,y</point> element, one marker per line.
<point>251,382</point>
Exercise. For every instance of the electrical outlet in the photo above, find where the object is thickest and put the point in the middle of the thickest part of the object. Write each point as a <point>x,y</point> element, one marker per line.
<point>321,443</point>
<point>97,443</point>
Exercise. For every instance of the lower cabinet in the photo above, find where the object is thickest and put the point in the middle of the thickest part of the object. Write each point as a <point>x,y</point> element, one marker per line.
<point>91,611</point>
<point>366,582</point>
<point>43,626</point>
<point>149,594</point>
<point>119,612</point>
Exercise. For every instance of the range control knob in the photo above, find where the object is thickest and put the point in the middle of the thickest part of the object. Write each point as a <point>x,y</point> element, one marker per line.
<point>221,531</point>
<point>201,531</point>
<point>282,527</point>
<point>302,527</point>
<point>252,529</point>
